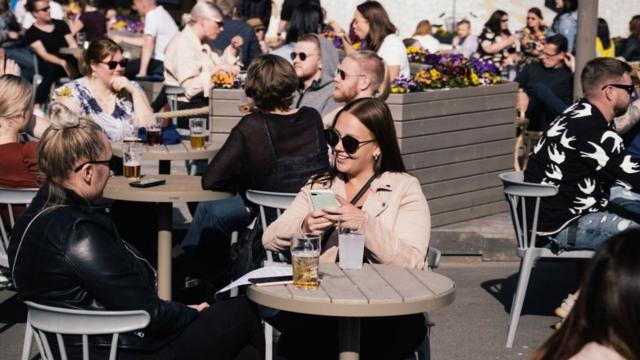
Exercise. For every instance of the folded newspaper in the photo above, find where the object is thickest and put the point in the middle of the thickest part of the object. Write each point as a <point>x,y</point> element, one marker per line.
<point>268,271</point>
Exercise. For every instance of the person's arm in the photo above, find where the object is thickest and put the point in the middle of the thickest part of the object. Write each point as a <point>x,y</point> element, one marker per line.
<point>76,26</point>
<point>492,48</point>
<point>71,41</point>
<point>40,50</point>
<point>108,269</point>
<point>629,119</point>
<point>143,114</point>
<point>227,172</point>
<point>131,40</point>
<point>277,235</point>
<point>146,53</point>
<point>37,125</point>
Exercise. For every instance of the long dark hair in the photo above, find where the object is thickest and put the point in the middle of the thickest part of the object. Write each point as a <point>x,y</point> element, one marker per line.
<point>608,308</point>
<point>305,19</point>
<point>603,33</point>
<point>536,11</point>
<point>379,23</point>
<point>495,21</point>
<point>375,115</point>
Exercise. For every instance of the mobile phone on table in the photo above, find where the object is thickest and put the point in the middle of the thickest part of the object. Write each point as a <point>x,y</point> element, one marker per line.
<point>272,280</point>
<point>323,198</point>
<point>145,183</point>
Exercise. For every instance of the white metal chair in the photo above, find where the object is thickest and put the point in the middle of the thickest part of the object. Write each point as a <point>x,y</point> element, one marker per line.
<point>9,198</point>
<point>518,193</point>
<point>44,319</point>
<point>280,202</point>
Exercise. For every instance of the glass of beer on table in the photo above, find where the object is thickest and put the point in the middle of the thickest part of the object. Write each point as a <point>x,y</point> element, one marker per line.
<point>153,132</point>
<point>197,130</point>
<point>305,256</point>
<point>131,156</point>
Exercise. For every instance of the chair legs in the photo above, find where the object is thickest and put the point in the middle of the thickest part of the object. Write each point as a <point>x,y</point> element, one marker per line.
<point>526,265</point>
<point>268,341</point>
<point>28,340</point>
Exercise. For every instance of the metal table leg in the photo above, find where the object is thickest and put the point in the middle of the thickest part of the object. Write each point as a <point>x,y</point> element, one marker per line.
<point>349,338</point>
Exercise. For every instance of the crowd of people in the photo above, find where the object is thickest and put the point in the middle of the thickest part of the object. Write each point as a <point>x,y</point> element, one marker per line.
<point>318,121</point>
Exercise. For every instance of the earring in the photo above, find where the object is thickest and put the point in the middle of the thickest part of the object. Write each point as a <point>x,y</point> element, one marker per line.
<point>376,156</point>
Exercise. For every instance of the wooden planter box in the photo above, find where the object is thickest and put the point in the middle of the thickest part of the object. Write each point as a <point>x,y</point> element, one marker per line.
<point>455,142</point>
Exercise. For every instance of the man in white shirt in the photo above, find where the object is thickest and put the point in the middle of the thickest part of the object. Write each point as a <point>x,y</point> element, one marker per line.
<point>159,28</point>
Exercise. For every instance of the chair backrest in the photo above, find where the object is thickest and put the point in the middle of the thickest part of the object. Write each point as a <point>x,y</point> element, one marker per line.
<point>518,194</point>
<point>433,258</point>
<point>272,200</point>
<point>60,321</point>
<point>8,199</point>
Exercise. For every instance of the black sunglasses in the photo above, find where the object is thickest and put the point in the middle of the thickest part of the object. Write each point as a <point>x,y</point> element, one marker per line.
<point>349,143</point>
<point>303,56</point>
<point>113,64</point>
<point>343,75</point>
<point>105,162</point>
<point>628,88</point>
<point>45,9</point>
<point>220,23</point>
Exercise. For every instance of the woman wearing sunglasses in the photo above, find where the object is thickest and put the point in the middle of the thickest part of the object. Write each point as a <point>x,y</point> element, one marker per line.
<point>104,93</point>
<point>189,61</point>
<point>397,225</point>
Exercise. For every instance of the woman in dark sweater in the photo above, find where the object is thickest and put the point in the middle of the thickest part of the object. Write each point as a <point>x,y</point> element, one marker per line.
<point>275,148</point>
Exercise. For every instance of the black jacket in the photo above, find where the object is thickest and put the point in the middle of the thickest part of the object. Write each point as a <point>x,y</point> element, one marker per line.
<point>72,257</point>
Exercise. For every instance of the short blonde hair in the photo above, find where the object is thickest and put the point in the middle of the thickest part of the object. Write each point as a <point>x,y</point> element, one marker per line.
<point>69,140</point>
<point>16,97</point>
<point>202,9</point>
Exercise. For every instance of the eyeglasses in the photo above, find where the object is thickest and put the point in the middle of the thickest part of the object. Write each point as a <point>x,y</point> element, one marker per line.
<point>531,18</point>
<point>504,20</point>
<point>343,75</point>
<point>628,88</point>
<point>349,143</point>
<point>549,55</point>
<point>303,55</point>
<point>113,64</point>
<point>44,9</point>
<point>103,162</point>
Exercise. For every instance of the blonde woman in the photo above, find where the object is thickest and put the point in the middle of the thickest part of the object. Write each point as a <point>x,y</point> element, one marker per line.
<point>189,62</point>
<point>62,239</point>
<point>18,160</point>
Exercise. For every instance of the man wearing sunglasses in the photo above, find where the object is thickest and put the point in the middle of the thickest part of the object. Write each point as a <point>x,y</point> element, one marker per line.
<point>315,61</point>
<point>159,28</point>
<point>546,87</point>
<point>585,157</point>
<point>361,74</point>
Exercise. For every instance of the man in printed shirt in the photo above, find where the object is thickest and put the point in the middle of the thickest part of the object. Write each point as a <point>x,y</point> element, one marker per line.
<point>584,156</point>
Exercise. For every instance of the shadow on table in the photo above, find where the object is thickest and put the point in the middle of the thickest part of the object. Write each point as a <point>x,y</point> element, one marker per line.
<point>549,283</point>
<point>12,311</point>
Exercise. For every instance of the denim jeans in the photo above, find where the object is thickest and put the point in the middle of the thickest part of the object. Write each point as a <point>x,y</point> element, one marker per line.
<point>593,229</point>
<point>227,216</point>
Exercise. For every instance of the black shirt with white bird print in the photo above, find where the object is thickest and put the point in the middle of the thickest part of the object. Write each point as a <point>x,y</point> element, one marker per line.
<point>584,156</point>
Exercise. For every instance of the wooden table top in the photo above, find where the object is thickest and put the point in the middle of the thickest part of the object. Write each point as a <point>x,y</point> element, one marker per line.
<point>177,188</point>
<point>180,151</point>
<point>374,290</point>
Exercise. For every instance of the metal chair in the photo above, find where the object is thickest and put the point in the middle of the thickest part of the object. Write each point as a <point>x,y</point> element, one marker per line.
<point>433,258</point>
<point>518,193</point>
<point>280,202</point>
<point>9,198</point>
<point>44,319</point>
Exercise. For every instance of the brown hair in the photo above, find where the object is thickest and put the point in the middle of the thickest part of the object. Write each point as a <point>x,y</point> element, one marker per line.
<point>69,140</point>
<point>634,26</point>
<point>599,71</point>
<point>271,82</point>
<point>379,23</point>
<point>312,38</point>
<point>16,97</point>
<point>97,51</point>
<point>423,28</point>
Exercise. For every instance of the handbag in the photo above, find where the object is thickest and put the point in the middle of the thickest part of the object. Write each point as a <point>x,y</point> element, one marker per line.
<point>247,253</point>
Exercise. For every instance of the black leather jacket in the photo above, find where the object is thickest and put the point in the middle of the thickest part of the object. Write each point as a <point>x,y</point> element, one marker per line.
<point>71,256</point>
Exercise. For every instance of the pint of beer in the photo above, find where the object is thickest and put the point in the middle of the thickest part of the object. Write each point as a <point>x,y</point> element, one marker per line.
<point>305,255</point>
<point>153,136</point>
<point>131,156</point>
<point>197,131</point>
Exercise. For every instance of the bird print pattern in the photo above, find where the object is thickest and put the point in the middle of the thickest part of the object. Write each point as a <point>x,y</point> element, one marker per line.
<point>584,156</point>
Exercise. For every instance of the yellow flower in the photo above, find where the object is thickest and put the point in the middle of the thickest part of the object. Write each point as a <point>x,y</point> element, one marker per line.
<point>222,79</point>
<point>435,74</point>
<point>119,25</point>
<point>474,79</point>
<point>356,45</point>
<point>64,91</point>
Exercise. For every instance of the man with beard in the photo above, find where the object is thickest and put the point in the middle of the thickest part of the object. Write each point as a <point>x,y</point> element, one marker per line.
<point>360,75</point>
<point>582,154</point>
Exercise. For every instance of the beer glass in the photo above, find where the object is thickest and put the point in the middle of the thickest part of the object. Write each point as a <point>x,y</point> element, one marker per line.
<point>153,132</point>
<point>197,130</point>
<point>351,242</point>
<point>305,255</point>
<point>81,39</point>
<point>132,154</point>
<point>129,131</point>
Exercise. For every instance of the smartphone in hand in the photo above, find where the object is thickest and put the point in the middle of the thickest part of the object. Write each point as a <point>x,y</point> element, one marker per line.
<point>323,198</point>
